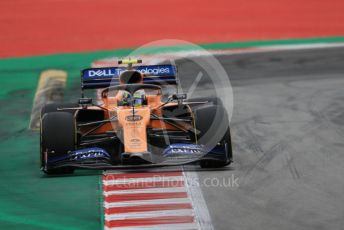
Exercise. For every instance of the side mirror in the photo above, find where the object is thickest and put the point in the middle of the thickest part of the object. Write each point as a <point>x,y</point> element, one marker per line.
<point>179,96</point>
<point>85,101</point>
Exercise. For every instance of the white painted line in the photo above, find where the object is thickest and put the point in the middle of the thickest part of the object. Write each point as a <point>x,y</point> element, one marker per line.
<point>149,214</point>
<point>145,190</point>
<point>199,205</point>
<point>185,226</point>
<point>306,46</point>
<point>146,202</point>
<point>143,180</point>
<point>158,58</point>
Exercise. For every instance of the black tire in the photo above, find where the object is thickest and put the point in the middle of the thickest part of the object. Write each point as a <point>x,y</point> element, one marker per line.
<point>53,107</point>
<point>226,140</point>
<point>213,126</point>
<point>58,134</point>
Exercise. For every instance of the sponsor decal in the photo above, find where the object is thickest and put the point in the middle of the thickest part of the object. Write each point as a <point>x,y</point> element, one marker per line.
<point>101,73</point>
<point>90,153</point>
<point>81,154</point>
<point>148,71</point>
<point>88,156</point>
<point>135,140</point>
<point>154,71</point>
<point>116,71</point>
<point>133,118</point>
<point>135,143</point>
<point>183,149</point>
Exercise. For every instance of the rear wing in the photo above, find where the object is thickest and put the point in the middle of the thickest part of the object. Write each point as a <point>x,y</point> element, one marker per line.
<point>95,78</point>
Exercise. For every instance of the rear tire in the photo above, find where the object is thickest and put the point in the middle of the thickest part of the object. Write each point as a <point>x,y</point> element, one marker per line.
<point>213,126</point>
<point>58,134</point>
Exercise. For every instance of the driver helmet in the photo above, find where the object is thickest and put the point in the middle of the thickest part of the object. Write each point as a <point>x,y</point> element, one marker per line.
<point>132,77</point>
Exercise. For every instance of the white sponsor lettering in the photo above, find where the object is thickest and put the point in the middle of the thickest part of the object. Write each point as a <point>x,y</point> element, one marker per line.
<point>182,150</point>
<point>101,73</point>
<point>118,71</point>
<point>148,71</point>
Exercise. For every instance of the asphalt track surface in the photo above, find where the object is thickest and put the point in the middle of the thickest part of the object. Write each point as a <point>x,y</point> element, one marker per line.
<point>287,133</point>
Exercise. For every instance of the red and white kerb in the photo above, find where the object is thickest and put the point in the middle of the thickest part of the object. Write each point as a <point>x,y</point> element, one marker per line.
<point>149,200</point>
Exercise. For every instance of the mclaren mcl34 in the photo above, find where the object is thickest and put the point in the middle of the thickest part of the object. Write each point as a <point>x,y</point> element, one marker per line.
<point>132,125</point>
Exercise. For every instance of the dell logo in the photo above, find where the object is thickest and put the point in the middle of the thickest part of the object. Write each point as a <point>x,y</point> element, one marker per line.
<point>101,73</point>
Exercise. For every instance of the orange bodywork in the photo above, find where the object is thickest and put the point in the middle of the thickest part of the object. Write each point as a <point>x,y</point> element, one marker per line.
<point>133,122</point>
<point>134,128</point>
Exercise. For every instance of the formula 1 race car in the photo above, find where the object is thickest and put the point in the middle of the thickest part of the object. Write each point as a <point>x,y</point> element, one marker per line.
<point>132,125</point>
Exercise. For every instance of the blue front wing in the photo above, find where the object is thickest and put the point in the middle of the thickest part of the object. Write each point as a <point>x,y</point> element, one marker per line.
<point>175,154</point>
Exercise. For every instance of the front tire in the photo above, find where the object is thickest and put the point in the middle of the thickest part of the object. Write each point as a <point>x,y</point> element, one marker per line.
<point>226,141</point>
<point>213,129</point>
<point>58,137</point>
